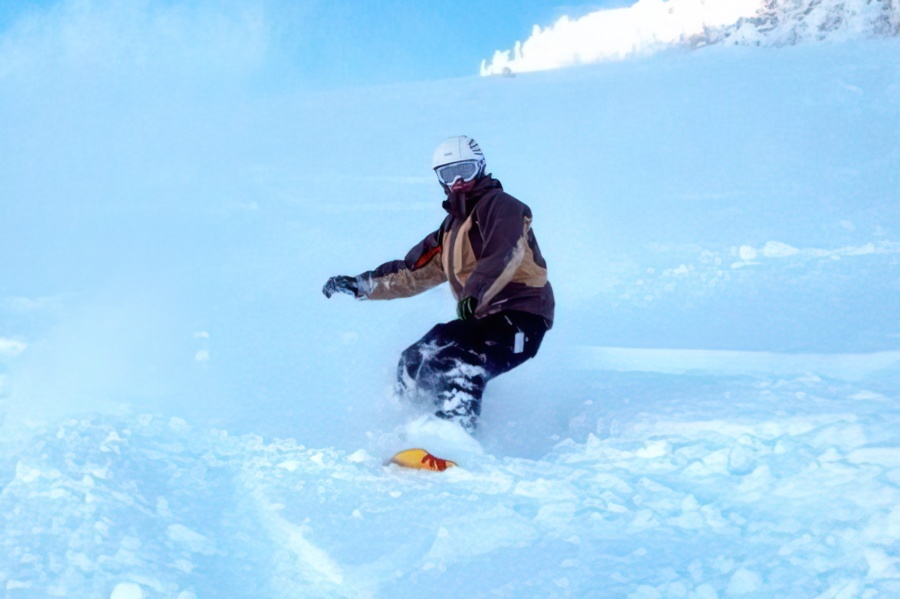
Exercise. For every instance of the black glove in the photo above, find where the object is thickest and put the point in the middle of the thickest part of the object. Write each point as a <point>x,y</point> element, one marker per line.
<point>341,284</point>
<point>465,309</point>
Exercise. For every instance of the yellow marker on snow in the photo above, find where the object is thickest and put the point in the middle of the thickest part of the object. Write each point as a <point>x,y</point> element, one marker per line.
<point>421,460</point>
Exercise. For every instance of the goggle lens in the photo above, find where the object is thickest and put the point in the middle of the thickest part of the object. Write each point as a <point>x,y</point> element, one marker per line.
<point>465,170</point>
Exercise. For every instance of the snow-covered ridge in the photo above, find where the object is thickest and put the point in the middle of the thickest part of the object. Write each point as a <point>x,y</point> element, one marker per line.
<point>652,25</point>
<point>789,22</point>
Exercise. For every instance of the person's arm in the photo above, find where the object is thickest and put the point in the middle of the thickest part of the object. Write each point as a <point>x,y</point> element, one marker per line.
<point>418,272</point>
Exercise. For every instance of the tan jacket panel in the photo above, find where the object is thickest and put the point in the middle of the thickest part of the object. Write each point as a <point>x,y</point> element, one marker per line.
<point>521,268</point>
<point>407,283</point>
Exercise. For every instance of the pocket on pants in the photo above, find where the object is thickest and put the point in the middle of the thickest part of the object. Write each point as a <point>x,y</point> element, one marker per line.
<point>527,332</point>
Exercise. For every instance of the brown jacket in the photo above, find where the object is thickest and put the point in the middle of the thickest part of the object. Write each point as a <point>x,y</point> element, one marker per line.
<point>485,248</point>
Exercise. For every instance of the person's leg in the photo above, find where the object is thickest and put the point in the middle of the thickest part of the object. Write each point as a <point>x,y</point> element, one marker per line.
<point>446,369</point>
<point>452,363</point>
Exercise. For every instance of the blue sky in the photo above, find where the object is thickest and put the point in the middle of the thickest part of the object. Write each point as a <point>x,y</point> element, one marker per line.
<point>339,43</point>
<point>395,40</point>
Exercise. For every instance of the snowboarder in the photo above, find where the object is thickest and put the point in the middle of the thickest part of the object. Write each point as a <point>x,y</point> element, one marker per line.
<point>487,251</point>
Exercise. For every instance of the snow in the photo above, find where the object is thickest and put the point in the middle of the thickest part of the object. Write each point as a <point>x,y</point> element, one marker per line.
<point>11,347</point>
<point>650,26</point>
<point>183,414</point>
<point>642,28</point>
<point>127,590</point>
<point>711,505</point>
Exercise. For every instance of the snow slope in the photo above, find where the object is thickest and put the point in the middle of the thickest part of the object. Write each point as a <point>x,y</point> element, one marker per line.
<point>713,415</point>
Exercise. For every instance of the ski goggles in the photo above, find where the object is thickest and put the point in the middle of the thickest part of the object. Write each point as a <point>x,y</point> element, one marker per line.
<point>465,170</point>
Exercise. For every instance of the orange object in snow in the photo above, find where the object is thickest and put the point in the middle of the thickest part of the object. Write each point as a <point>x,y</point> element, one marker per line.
<point>421,460</point>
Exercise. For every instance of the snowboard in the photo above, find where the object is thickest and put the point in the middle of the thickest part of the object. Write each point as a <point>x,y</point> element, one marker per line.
<point>421,460</point>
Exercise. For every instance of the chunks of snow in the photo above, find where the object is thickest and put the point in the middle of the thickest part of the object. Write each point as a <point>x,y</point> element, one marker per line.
<point>359,456</point>
<point>320,521</point>
<point>192,540</point>
<point>776,249</point>
<point>744,582</point>
<point>656,449</point>
<point>127,590</point>
<point>11,347</point>
<point>747,252</point>
<point>179,425</point>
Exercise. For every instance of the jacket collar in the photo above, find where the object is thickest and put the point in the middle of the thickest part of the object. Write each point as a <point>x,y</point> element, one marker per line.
<point>461,205</point>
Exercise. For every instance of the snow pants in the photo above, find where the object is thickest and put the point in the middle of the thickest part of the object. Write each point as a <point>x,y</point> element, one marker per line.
<point>450,366</point>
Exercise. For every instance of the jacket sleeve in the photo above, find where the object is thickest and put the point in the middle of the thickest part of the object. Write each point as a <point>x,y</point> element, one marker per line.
<point>418,272</point>
<point>505,224</point>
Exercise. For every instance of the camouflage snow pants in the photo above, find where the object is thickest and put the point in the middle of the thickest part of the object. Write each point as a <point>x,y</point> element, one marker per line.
<point>450,366</point>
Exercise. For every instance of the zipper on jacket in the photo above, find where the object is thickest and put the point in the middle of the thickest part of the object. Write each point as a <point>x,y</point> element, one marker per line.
<point>454,232</point>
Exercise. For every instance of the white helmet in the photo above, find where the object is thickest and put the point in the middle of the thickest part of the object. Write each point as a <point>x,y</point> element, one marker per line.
<point>455,150</point>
